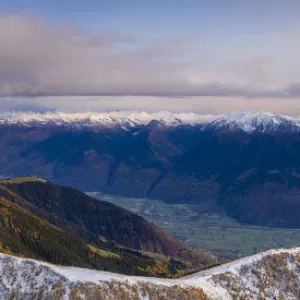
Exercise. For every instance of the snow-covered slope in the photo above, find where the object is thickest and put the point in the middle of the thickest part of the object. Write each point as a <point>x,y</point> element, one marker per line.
<point>269,275</point>
<point>109,119</point>
<point>242,121</point>
<point>31,279</point>
<point>256,122</point>
<point>273,274</point>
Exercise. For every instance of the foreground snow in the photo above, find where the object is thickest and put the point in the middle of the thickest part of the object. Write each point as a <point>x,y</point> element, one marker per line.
<point>270,274</point>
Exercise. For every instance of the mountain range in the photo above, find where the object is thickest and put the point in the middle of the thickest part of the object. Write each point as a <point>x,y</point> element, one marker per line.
<point>245,164</point>
<point>245,121</point>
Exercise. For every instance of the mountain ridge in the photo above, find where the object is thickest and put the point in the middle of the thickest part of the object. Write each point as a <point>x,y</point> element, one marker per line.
<point>269,275</point>
<point>246,121</point>
<point>251,122</point>
<point>251,175</point>
<point>108,119</point>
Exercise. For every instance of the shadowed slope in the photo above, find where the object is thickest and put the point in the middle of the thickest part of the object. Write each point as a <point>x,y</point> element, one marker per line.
<point>62,225</point>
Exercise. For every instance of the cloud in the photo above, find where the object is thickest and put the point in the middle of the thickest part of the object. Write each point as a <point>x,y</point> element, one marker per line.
<point>39,59</point>
<point>293,90</point>
<point>202,105</point>
<point>36,58</point>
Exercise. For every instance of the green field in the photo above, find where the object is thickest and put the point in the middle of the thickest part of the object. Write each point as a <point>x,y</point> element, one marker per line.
<point>211,232</point>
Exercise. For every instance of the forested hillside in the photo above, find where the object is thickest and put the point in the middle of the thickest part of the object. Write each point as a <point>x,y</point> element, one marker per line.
<point>64,226</point>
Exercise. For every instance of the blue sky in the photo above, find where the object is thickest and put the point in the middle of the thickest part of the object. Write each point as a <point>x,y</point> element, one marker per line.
<point>168,17</point>
<point>246,49</point>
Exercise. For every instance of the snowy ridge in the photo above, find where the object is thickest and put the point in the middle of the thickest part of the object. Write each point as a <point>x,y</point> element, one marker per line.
<point>236,265</point>
<point>262,276</point>
<point>241,121</point>
<point>123,118</point>
<point>256,121</point>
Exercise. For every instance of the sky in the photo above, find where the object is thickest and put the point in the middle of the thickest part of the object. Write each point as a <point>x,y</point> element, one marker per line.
<point>194,55</point>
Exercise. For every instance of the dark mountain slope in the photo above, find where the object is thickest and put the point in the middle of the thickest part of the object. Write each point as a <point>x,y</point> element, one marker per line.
<point>25,235</point>
<point>264,197</point>
<point>62,225</point>
<point>96,217</point>
<point>249,167</point>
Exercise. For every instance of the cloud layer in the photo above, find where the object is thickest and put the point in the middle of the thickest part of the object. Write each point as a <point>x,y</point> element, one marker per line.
<point>202,105</point>
<point>41,59</point>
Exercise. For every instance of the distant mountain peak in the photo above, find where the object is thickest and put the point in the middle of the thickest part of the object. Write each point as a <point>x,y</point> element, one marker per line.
<point>238,121</point>
<point>256,122</point>
<point>125,119</point>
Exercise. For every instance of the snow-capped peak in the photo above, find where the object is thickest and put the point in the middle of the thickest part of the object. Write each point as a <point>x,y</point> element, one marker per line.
<point>256,122</point>
<point>240,121</point>
<point>125,119</point>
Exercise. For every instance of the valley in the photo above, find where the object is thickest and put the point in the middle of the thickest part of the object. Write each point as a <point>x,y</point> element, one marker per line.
<point>228,184</point>
<point>213,232</point>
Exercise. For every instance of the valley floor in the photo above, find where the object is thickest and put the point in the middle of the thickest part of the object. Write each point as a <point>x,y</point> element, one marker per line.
<point>208,231</point>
